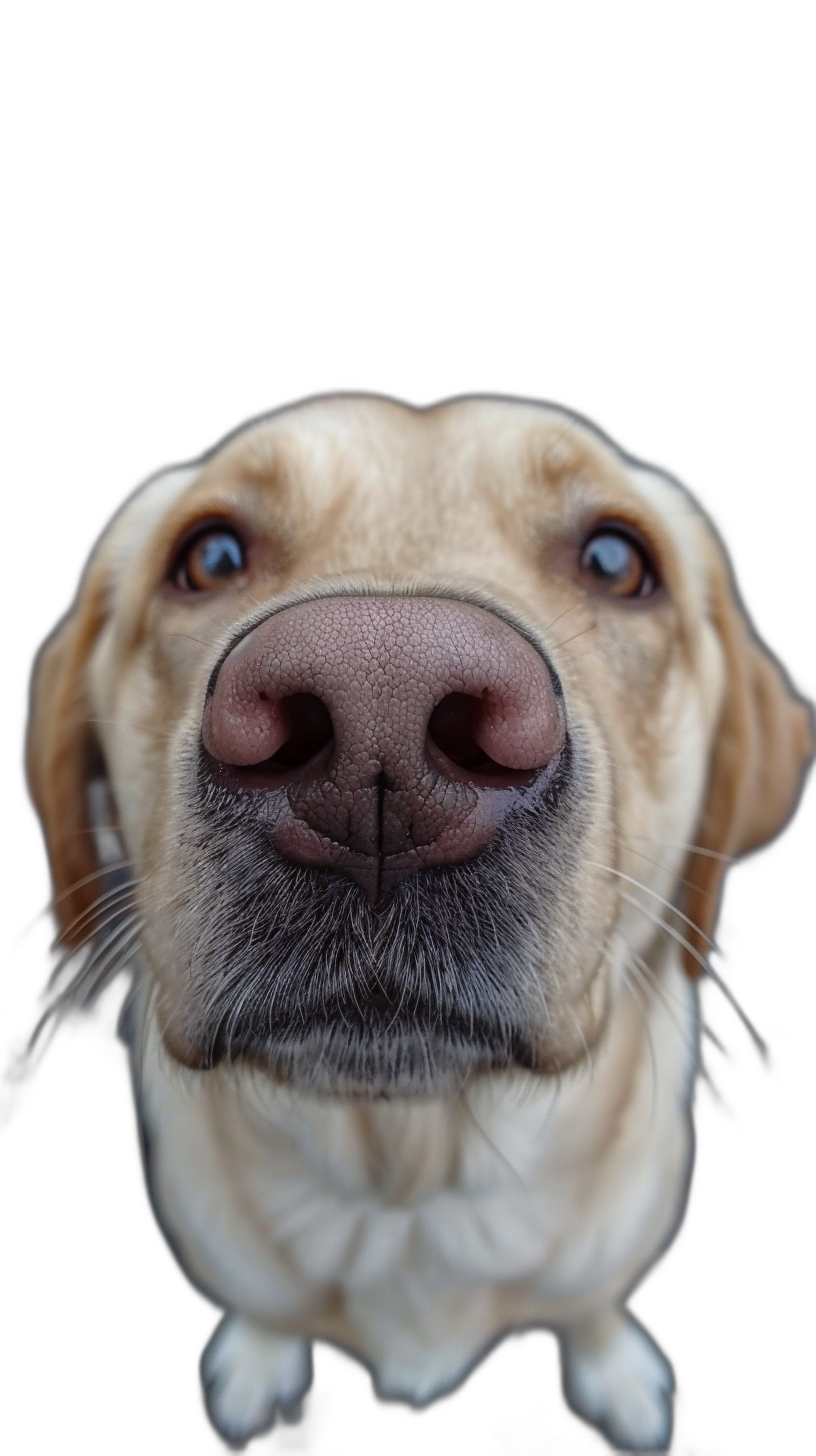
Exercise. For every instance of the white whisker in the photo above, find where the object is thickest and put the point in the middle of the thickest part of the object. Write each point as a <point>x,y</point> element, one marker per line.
<point>759,1042</point>
<point>680,844</point>
<point>118,913</point>
<point>667,903</point>
<point>110,897</point>
<point>100,967</point>
<point>658,864</point>
<point>95,971</point>
<point>110,944</point>
<point>118,864</point>
<point>652,980</point>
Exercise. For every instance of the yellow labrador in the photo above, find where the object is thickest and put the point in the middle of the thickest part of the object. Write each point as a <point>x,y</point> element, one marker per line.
<point>400,753</point>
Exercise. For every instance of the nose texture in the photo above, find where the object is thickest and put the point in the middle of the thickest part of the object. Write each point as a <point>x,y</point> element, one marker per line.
<point>383,734</point>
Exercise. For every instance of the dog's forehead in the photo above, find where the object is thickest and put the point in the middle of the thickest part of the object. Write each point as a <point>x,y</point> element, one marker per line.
<point>385,473</point>
<point>390,477</point>
<point>449,449</point>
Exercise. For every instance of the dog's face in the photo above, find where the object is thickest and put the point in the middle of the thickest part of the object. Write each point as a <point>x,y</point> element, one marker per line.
<point>397,707</point>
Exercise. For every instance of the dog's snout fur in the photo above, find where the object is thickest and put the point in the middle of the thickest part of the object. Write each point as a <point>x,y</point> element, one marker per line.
<point>386,734</point>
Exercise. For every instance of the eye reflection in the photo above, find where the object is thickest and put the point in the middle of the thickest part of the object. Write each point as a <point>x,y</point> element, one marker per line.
<point>211,561</point>
<point>618,564</point>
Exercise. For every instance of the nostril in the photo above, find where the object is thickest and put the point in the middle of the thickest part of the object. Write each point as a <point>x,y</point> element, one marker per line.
<point>308,727</point>
<point>454,729</point>
<point>278,736</point>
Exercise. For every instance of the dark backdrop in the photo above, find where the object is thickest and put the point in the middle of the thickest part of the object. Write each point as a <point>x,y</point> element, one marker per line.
<point>139,344</point>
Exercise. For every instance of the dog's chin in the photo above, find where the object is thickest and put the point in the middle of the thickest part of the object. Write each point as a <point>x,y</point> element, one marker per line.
<point>330,1063</point>
<point>378,1052</point>
<point>382,1053</point>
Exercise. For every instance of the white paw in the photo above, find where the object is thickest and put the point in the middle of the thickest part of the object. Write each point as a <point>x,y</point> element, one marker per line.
<point>250,1376</point>
<point>418,1381</point>
<point>616,1378</point>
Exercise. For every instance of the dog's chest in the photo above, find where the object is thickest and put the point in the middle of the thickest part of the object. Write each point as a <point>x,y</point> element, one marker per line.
<point>271,1197</point>
<point>346,1195</point>
<point>358,1194</point>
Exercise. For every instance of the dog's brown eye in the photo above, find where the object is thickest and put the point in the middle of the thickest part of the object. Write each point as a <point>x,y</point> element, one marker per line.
<point>619,564</point>
<point>210,561</point>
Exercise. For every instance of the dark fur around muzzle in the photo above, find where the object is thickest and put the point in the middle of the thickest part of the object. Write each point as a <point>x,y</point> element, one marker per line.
<point>292,968</point>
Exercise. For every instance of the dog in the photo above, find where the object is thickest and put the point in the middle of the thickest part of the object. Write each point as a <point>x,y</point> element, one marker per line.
<point>399,755</point>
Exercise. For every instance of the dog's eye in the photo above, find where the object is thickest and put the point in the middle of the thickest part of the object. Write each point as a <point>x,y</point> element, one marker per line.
<point>618,563</point>
<point>210,561</point>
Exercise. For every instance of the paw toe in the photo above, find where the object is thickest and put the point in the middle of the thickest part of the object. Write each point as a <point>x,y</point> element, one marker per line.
<point>250,1377</point>
<point>621,1383</point>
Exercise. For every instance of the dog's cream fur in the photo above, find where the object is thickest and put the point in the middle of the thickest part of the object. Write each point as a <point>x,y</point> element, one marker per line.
<point>415,1231</point>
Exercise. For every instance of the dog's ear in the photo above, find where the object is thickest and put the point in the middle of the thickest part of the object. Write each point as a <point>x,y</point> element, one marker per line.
<point>763,745</point>
<point>62,756</point>
<point>64,760</point>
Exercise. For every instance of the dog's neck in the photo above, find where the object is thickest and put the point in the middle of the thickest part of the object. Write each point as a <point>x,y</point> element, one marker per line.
<point>499,1132</point>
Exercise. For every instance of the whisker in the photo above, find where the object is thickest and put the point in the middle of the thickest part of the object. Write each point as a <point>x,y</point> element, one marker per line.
<point>50,908</point>
<point>681,844</point>
<point>109,722</point>
<point>591,628</point>
<point>118,864</point>
<point>164,734</point>
<point>668,869</point>
<point>668,904</point>
<point>494,1147</point>
<point>759,1042</point>
<point>188,636</point>
<point>588,1060</point>
<point>100,956</point>
<point>116,892</point>
<point>100,968</point>
<point>110,966</point>
<point>70,955</point>
<point>571,608</point>
<point>652,980</point>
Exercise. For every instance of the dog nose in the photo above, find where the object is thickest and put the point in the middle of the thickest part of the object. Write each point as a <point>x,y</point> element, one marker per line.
<point>383,734</point>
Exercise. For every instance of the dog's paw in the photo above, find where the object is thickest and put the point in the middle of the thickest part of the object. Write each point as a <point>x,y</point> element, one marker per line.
<point>251,1376</point>
<point>616,1378</point>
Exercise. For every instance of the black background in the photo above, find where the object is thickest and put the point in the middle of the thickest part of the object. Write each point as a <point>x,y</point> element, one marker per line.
<point>144,329</point>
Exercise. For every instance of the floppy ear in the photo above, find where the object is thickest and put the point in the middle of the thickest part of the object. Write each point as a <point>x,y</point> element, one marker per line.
<point>762,748</point>
<point>61,757</point>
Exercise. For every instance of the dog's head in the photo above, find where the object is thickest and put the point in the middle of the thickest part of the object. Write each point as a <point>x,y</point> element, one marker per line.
<point>410,720</point>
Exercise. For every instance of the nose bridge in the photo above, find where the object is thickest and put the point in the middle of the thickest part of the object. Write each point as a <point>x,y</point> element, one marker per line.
<point>395,658</point>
